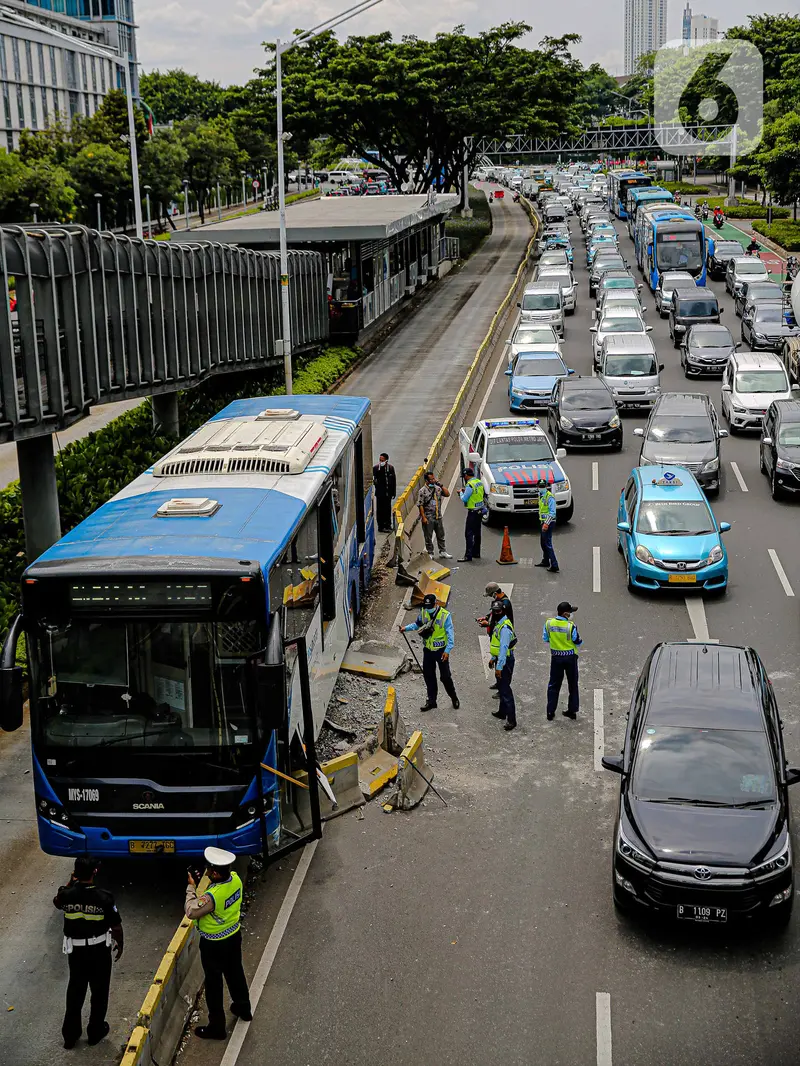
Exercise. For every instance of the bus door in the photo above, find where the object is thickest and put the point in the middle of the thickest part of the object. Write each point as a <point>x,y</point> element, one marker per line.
<point>289,782</point>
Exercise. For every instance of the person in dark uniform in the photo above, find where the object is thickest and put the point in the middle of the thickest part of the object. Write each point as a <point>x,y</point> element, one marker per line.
<point>385,482</point>
<point>489,621</point>
<point>91,924</point>
<point>217,914</point>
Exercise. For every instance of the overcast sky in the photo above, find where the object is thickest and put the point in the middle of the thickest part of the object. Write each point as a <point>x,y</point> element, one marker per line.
<point>222,40</point>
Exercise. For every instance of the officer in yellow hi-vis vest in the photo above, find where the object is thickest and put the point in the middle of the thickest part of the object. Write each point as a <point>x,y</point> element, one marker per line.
<point>564,640</point>
<point>217,916</point>
<point>435,626</point>
<point>474,499</point>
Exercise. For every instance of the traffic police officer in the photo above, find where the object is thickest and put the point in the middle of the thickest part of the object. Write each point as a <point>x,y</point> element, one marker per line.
<point>91,923</point>
<point>501,648</point>
<point>564,640</point>
<point>473,499</point>
<point>217,915</point>
<point>488,622</point>
<point>547,519</point>
<point>435,626</point>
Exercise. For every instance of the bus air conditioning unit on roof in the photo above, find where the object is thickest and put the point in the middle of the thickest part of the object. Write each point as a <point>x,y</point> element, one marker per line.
<point>265,445</point>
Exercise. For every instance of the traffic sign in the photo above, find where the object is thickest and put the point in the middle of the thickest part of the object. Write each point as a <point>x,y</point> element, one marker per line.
<point>256,183</point>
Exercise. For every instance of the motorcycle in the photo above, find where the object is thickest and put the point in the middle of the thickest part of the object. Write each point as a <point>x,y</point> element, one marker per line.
<point>719,221</point>
<point>705,212</point>
<point>753,249</point>
<point>516,197</point>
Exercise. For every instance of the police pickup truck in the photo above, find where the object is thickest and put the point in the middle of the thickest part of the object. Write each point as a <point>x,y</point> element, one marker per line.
<point>510,456</point>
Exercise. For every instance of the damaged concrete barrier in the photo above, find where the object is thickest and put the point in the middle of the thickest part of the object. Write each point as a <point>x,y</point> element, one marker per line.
<point>374,658</point>
<point>414,776</point>
<point>343,777</point>
<point>378,758</point>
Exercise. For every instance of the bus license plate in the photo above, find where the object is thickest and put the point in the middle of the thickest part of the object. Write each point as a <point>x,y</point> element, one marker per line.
<point>702,914</point>
<point>151,847</point>
<point>683,579</point>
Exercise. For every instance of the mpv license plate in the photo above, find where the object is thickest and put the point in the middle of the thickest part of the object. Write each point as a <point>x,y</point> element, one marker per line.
<point>694,913</point>
<point>683,579</point>
<point>151,847</point>
<point>590,436</point>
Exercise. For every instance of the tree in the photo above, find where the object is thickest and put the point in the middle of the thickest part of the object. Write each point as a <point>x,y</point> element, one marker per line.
<point>175,95</point>
<point>99,168</point>
<point>40,182</point>
<point>599,94</point>
<point>407,106</point>
<point>212,155</point>
<point>778,158</point>
<point>162,166</point>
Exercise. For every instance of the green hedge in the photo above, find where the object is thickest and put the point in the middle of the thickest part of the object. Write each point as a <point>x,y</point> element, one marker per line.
<point>684,187</point>
<point>755,211</point>
<point>471,232</point>
<point>91,470</point>
<point>785,234</point>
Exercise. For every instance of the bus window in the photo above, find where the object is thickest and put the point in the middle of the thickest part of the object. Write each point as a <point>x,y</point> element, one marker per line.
<point>294,581</point>
<point>360,493</point>
<point>326,557</point>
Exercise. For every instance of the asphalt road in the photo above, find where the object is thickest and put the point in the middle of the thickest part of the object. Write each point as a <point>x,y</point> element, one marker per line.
<point>484,931</point>
<point>150,896</point>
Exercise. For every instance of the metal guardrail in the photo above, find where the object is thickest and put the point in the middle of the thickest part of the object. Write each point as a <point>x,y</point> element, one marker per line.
<point>447,436</point>
<point>101,317</point>
<point>449,248</point>
<point>602,139</point>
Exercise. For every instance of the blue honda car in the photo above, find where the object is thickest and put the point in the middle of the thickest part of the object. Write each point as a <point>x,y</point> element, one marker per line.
<point>532,377</point>
<point>667,533</point>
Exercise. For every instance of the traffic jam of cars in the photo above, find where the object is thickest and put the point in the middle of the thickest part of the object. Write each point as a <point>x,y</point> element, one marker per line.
<point>702,826</point>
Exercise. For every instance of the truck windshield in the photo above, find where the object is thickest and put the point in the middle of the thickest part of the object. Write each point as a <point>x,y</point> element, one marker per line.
<point>519,450</point>
<point>145,684</point>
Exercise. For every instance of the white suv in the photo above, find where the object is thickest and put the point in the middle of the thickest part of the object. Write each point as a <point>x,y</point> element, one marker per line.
<point>750,382</point>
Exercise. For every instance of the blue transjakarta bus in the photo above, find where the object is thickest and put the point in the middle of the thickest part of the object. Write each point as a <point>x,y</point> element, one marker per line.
<point>674,244</point>
<point>639,196</point>
<point>184,640</point>
<point>642,229</point>
<point>620,182</point>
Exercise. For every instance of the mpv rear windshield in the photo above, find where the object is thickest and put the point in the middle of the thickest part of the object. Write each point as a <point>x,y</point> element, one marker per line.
<point>697,308</point>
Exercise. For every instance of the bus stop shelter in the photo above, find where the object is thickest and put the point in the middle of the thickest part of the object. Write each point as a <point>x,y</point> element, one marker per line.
<point>377,249</point>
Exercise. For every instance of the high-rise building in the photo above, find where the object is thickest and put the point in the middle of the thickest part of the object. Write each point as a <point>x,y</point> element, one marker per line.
<point>686,24</point>
<point>56,59</point>
<point>701,28</point>
<point>645,29</point>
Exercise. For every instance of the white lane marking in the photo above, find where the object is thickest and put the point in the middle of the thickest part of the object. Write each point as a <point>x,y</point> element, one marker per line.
<point>784,580</point>
<point>526,561</point>
<point>697,616</point>
<point>599,730</point>
<point>483,640</point>
<point>502,363</point>
<point>738,475</point>
<point>595,569</point>
<point>595,477</point>
<point>231,1056</point>
<point>603,1028</point>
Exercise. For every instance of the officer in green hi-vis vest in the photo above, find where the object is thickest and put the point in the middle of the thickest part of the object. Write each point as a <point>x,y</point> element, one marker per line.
<point>217,915</point>
<point>473,497</point>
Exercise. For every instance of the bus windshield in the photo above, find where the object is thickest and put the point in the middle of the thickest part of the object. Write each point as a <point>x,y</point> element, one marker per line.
<point>145,684</point>
<point>679,251</point>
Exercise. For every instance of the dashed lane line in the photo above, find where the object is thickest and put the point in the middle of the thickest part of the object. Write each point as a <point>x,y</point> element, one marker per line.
<point>599,730</point>
<point>236,1042</point>
<point>595,569</point>
<point>603,1028</point>
<point>738,475</point>
<point>697,616</point>
<point>784,580</point>
<point>595,477</point>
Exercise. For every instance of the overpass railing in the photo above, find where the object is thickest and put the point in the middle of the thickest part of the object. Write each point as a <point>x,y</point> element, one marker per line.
<point>94,317</point>
<point>599,140</point>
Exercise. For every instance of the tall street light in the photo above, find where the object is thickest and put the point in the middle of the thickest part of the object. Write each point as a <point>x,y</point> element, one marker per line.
<point>147,199</point>
<point>35,207</point>
<point>284,138</point>
<point>98,198</point>
<point>186,202</point>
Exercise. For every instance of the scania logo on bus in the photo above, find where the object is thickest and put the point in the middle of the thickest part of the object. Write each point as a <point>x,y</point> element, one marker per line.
<point>149,803</point>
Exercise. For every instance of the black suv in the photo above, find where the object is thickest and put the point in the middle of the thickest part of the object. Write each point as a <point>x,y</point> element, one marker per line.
<point>693,304</point>
<point>582,413</point>
<point>683,430</point>
<point>702,831</point>
<point>779,458</point>
<point>719,252</point>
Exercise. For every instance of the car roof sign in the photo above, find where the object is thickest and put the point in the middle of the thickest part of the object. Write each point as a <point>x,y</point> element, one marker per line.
<point>669,480</point>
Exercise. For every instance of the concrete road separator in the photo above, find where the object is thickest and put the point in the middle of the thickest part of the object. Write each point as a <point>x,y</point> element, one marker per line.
<point>378,758</point>
<point>603,1028</point>
<point>413,779</point>
<point>373,658</point>
<point>342,775</point>
<point>784,580</point>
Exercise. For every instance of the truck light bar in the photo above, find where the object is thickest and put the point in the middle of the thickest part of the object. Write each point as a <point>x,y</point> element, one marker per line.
<point>496,423</point>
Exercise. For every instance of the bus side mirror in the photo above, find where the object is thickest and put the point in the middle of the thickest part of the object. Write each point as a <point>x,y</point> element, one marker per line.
<point>11,680</point>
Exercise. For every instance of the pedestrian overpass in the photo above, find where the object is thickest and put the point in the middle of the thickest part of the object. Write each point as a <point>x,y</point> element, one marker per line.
<point>93,318</point>
<point>672,138</point>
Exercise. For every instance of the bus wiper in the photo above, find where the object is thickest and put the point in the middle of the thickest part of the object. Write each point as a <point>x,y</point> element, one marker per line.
<point>122,740</point>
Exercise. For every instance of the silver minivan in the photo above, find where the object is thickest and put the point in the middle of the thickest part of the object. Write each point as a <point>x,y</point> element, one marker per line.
<point>630,367</point>
<point>750,382</point>
<point>543,302</point>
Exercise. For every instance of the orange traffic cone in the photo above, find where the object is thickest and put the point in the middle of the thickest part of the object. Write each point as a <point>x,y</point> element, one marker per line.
<point>506,554</point>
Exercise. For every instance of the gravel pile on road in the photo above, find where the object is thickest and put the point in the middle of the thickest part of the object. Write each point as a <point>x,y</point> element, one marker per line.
<point>355,708</point>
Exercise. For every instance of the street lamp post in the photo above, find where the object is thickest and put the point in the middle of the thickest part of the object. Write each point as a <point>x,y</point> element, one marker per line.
<point>264,181</point>
<point>35,208</point>
<point>98,196</point>
<point>219,203</point>
<point>244,189</point>
<point>149,224</point>
<point>186,202</point>
<point>285,343</point>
